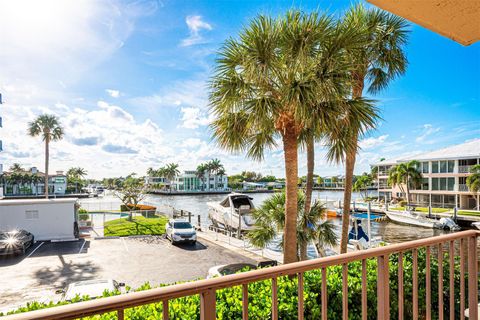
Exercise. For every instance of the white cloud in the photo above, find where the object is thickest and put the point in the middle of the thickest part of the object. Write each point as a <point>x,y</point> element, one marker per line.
<point>372,142</point>
<point>113,93</point>
<point>189,93</point>
<point>427,131</point>
<point>195,25</point>
<point>193,118</point>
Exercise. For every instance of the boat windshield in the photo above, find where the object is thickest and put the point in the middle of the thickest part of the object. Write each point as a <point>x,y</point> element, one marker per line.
<point>243,201</point>
<point>182,225</point>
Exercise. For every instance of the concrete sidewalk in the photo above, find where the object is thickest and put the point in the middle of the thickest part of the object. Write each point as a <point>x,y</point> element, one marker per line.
<point>239,246</point>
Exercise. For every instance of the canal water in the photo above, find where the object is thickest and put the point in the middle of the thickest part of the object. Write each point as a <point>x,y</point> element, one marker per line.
<point>197,204</point>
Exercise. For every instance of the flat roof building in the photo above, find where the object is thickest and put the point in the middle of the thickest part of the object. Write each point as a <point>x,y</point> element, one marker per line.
<point>444,174</point>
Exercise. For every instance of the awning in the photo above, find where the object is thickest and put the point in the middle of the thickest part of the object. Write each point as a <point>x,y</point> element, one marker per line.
<point>458,20</point>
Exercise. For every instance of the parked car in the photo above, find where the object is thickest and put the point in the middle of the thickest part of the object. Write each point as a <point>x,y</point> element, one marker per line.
<point>226,269</point>
<point>180,231</point>
<point>91,288</point>
<point>15,241</point>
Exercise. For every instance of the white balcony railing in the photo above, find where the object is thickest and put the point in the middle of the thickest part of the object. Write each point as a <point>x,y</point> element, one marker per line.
<point>463,188</point>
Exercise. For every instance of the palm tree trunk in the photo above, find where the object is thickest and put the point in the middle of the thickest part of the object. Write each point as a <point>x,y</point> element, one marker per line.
<point>47,156</point>
<point>308,189</point>
<point>347,196</point>
<point>290,146</point>
<point>310,167</point>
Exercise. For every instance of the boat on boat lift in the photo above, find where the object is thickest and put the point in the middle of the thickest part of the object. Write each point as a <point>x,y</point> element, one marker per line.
<point>234,213</point>
<point>411,217</point>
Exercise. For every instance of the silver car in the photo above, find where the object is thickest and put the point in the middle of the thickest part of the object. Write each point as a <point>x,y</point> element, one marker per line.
<point>180,231</point>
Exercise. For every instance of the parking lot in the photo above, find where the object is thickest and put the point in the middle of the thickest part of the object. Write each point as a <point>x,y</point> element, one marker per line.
<point>48,266</point>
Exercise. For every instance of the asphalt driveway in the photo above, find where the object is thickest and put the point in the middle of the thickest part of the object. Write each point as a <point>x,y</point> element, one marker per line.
<point>49,266</point>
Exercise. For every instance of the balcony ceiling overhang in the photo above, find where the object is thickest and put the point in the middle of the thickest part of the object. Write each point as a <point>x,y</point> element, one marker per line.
<point>458,20</point>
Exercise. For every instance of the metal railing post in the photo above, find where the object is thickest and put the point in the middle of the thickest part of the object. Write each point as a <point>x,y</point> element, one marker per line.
<point>208,305</point>
<point>472,278</point>
<point>383,299</point>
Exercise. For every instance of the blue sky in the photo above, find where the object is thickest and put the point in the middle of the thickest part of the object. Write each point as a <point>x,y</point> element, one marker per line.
<point>129,83</point>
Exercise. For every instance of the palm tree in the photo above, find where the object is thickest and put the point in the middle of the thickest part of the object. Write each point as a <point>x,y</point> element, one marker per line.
<point>170,172</point>
<point>75,175</point>
<point>405,175</point>
<point>200,172</point>
<point>361,117</point>
<point>270,222</point>
<point>378,62</point>
<point>16,167</point>
<point>362,184</point>
<point>269,82</point>
<point>50,129</point>
<point>473,181</point>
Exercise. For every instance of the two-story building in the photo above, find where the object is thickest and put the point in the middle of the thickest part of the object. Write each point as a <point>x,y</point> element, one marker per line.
<point>189,181</point>
<point>444,177</point>
<point>32,182</point>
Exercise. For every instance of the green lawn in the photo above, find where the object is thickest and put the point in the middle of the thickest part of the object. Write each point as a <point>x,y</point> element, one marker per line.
<point>138,226</point>
<point>469,213</point>
<point>422,209</point>
<point>440,210</point>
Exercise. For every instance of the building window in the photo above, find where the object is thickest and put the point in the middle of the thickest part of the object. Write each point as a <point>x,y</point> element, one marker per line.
<point>425,167</point>
<point>451,165</point>
<point>451,184</point>
<point>435,185</point>
<point>443,166</point>
<point>434,166</point>
<point>424,185</point>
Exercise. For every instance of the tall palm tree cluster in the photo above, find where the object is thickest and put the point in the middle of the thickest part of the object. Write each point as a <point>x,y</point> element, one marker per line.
<point>406,176</point>
<point>299,79</point>
<point>22,178</point>
<point>212,167</point>
<point>75,177</point>
<point>169,172</point>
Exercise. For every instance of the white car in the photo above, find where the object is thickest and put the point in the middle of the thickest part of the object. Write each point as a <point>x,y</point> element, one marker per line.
<point>91,288</point>
<point>180,231</point>
<point>226,269</point>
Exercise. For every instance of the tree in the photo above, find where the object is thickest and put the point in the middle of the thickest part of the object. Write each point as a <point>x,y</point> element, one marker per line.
<point>473,181</point>
<point>50,129</point>
<point>200,172</point>
<point>270,222</point>
<point>405,175</point>
<point>171,171</point>
<point>75,176</point>
<point>362,183</point>
<point>16,167</point>
<point>319,181</point>
<point>268,83</point>
<point>131,194</point>
<point>378,62</point>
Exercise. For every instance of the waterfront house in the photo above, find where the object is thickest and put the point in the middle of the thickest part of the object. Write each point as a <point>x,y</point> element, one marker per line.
<point>190,181</point>
<point>31,182</point>
<point>444,172</point>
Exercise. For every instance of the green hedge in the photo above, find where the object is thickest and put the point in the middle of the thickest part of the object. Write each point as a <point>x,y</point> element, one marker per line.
<point>229,300</point>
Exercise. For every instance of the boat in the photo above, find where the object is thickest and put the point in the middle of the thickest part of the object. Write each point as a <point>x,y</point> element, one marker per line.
<point>234,213</point>
<point>476,224</point>
<point>413,218</point>
<point>334,213</point>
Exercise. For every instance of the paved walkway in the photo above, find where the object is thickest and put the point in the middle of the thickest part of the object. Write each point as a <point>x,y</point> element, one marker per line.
<point>239,246</point>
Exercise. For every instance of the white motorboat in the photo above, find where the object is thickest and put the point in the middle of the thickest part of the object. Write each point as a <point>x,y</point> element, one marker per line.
<point>232,213</point>
<point>413,218</point>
